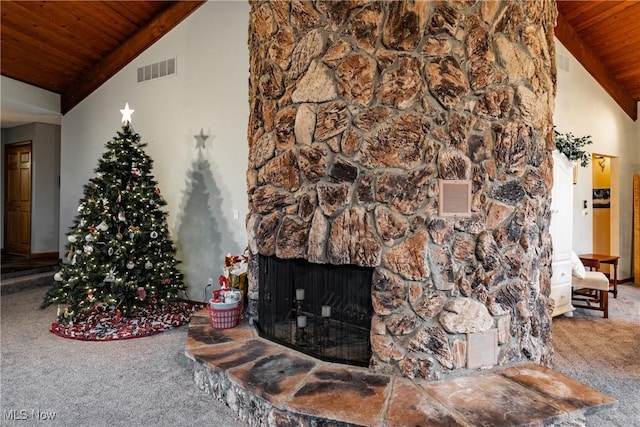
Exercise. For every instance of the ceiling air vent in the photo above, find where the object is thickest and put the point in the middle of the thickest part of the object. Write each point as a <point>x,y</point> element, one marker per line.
<point>157,70</point>
<point>455,197</point>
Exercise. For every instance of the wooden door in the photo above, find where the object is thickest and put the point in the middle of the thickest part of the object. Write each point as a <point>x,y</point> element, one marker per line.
<point>636,228</point>
<point>17,218</point>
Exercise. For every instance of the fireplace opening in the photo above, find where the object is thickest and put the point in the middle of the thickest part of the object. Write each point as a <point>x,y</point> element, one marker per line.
<point>322,310</point>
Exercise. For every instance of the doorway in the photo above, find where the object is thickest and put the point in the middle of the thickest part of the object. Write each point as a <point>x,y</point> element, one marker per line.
<point>605,202</point>
<point>17,198</point>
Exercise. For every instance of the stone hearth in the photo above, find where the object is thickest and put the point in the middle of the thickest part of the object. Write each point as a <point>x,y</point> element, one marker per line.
<point>270,385</point>
<point>357,110</point>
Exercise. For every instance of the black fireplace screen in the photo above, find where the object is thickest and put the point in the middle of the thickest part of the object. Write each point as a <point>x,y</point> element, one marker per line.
<point>319,309</point>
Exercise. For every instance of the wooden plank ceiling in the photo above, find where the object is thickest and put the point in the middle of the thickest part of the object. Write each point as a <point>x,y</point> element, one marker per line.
<point>72,47</point>
<point>605,37</point>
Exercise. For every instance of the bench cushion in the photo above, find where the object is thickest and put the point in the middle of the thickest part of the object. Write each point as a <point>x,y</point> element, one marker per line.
<point>592,280</point>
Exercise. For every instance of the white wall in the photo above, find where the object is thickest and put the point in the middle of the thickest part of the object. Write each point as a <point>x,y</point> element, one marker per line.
<point>209,92</point>
<point>45,160</point>
<point>21,103</point>
<point>584,108</point>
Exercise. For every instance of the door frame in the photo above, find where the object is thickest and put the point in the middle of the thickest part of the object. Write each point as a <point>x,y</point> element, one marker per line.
<point>5,197</point>
<point>614,209</point>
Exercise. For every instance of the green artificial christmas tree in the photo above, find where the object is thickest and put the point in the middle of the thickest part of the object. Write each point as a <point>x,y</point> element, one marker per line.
<point>120,256</point>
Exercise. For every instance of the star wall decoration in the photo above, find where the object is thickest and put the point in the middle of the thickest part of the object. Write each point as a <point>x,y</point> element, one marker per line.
<point>200,139</point>
<point>126,114</point>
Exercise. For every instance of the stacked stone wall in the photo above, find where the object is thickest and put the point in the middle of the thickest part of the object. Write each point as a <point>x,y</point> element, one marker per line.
<point>357,109</point>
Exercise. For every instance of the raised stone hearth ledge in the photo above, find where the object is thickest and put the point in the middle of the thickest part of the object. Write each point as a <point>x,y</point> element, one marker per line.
<point>270,385</point>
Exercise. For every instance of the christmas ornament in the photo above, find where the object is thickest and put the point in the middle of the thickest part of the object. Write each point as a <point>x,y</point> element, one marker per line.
<point>88,249</point>
<point>130,264</point>
<point>158,190</point>
<point>110,251</point>
<point>111,276</point>
<point>142,293</point>
<point>154,234</point>
<point>148,265</point>
<point>99,175</point>
<point>121,217</point>
<point>90,295</point>
<point>80,207</point>
<point>132,235</point>
<point>78,251</point>
<point>88,238</point>
<point>57,277</point>
<point>91,228</point>
<point>71,238</point>
<point>103,226</point>
<point>74,259</point>
<point>119,236</point>
<point>135,172</point>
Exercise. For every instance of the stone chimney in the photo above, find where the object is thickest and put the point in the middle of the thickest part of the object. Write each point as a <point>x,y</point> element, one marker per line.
<point>358,109</point>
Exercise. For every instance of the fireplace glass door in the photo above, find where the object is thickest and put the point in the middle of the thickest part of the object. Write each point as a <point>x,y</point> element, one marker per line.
<point>322,310</point>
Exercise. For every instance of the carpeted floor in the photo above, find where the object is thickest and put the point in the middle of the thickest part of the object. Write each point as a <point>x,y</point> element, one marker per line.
<point>604,354</point>
<point>148,381</point>
<point>139,382</point>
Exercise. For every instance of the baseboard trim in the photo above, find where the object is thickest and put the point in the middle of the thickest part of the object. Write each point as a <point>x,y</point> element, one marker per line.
<point>627,280</point>
<point>46,255</point>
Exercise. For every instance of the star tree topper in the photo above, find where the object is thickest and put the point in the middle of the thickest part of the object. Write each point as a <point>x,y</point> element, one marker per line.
<point>126,114</point>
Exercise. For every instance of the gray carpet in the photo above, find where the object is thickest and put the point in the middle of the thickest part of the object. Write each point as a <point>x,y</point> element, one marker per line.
<point>138,382</point>
<point>604,354</point>
<point>148,381</point>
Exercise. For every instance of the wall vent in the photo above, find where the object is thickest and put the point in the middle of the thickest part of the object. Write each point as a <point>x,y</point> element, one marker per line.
<point>482,349</point>
<point>455,197</point>
<point>157,70</point>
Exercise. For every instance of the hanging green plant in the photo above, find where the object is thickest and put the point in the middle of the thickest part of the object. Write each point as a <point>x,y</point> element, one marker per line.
<point>571,146</point>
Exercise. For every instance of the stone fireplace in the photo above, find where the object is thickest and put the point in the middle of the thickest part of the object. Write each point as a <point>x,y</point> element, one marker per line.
<point>358,109</point>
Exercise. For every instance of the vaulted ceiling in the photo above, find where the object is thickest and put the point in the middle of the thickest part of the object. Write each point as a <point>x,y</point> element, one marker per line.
<point>605,37</point>
<point>72,47</point>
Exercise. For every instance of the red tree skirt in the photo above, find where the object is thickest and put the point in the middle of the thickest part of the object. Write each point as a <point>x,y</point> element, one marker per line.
<point>105,324</point>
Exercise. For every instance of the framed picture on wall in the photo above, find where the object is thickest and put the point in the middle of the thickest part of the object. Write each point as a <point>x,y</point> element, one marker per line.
<point>601,198</point>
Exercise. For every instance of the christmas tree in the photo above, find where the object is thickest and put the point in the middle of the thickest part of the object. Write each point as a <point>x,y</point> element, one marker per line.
<point>119,252</point>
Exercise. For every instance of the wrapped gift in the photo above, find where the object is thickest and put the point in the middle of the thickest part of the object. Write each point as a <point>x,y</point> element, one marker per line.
<point>235,272</point>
